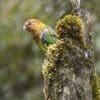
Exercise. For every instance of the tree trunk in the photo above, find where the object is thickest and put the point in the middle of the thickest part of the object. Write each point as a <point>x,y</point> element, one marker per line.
<point>68,69</point>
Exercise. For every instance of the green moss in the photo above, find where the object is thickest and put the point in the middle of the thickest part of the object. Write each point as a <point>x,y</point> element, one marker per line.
<point>95,82</point>
<point>71,25</point>
<point>70,29</point>
<point>69,54</point>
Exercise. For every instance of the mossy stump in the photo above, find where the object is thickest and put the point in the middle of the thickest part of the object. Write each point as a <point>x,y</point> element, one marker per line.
<point>69,64</point>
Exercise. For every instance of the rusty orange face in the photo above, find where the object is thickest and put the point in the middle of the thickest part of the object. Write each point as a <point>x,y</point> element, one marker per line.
<point>33,25</point>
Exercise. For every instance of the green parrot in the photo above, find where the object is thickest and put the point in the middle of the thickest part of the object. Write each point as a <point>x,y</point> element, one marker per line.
<point>41,33</point>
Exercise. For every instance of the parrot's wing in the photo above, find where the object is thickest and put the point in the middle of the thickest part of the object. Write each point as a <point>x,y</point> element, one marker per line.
<point>48,38</point>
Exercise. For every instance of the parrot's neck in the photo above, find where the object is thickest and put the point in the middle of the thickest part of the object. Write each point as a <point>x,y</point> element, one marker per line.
<point>38,34</point>
<point>44,30</point>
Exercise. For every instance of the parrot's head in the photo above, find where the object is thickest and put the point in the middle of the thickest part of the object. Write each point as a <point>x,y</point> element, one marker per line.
<point>33,25</point>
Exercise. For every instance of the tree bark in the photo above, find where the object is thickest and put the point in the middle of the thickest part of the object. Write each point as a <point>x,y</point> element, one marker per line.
<point>68,69</point>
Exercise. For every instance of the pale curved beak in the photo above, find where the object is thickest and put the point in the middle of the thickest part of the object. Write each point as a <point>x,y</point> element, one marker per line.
<point>24,27</point>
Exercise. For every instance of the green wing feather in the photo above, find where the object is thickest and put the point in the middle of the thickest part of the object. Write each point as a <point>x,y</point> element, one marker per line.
<point>50,39</point>
<point>50,36</point>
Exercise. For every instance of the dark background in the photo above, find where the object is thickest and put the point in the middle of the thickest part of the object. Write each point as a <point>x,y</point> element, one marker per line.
<point>20,58</point>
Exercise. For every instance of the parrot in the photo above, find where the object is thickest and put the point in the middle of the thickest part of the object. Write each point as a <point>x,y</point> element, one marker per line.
<point>42,34</point>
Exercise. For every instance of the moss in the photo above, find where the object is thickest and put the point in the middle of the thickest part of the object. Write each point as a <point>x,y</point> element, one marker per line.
<point>71,25</point>
<point>68,57</point>
<point>95,82</point>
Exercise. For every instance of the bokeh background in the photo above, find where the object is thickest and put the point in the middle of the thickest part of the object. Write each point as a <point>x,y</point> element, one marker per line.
<point>20,58</point>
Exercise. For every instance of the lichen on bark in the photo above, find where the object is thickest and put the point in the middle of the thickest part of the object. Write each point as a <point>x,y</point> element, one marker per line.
<point>68,70</point>
<point>69,64</point>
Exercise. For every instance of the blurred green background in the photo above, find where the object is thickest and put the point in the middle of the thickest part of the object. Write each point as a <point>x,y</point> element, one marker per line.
<point>20,58</point>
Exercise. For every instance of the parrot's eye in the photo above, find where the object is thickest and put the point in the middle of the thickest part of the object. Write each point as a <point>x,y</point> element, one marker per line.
<point>29,23</point>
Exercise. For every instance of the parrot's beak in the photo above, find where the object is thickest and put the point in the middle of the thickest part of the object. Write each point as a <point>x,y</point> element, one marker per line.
<point>27,27</point>
<point>24,27</point>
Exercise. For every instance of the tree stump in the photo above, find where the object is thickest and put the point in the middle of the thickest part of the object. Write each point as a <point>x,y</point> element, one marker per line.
<point>68,69</point>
